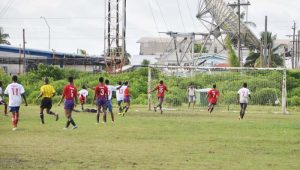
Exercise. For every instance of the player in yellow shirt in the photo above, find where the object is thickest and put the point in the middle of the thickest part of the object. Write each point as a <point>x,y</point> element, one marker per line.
<point>47,92</point>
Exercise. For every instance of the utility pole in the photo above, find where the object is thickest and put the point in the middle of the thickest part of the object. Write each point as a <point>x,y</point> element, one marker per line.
<point>239,33</point>
<point>298,50</point>
<point>238,5</point>
<point>294,48</point>
<point>265,60</point>
<point>24,55</point>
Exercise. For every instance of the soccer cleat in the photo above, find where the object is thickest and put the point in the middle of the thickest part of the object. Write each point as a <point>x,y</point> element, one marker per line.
<point>154,109</point>
<point>14,129</point>
<point>42,121</point>
<point>57,117</point>
<point>74,127</point>
<point>161,112</point>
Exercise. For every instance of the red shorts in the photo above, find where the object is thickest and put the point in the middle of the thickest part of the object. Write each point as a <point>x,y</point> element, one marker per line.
<point>82,99</point>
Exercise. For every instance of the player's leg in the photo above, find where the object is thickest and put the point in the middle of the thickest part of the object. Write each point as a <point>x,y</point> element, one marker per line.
<point>209,106</point>
<point>104,109</point>
<point>160,104</point>
<point>110,109</point>
<point>244,110</point>
<point>189,102</point>
<point>212,107</point>
<point>5,107</point>
<point>72,120</point>
<point>42,107</point>
<point>67,114</point>
<point>194,102</point>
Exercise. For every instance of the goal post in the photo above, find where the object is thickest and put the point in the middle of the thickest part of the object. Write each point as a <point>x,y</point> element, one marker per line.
<point>267,85</point>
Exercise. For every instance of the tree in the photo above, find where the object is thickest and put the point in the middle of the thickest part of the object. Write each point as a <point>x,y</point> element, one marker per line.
<point>145,62</point>
<point>233,60</point>
<point>3,37</point>
<point>253,60</point>
<point>198,48</point>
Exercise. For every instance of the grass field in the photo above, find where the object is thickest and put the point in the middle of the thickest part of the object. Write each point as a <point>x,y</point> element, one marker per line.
<point>178,139</point>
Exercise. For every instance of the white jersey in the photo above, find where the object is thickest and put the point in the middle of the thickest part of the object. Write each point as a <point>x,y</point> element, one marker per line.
<point>1,94</point>
<point>191,91</point>
<point>83,92</point>
<point>110,90</point>
<point>244,95</point>
<point>120,93</point>
<point>14,91</point>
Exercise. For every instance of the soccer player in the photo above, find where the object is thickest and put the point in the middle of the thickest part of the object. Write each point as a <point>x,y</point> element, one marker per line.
<point>83,93</point>
<point>126,98</point>
<point>47,92</point>
<point>101,94</point>
<point>2,102</point>
<point>70,96</point>
<point>243,96</point>
<point>110,89</point>
<point>15,92</point>
<point>120,96</point>
<point>212,96</point>
<point>191,95</point>
<point>161,89</point>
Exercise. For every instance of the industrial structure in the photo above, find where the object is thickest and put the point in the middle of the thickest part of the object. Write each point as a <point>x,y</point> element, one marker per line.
<point>114,35</point>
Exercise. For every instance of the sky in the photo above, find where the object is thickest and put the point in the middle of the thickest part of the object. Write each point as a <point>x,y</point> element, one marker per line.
<point>79,24</point>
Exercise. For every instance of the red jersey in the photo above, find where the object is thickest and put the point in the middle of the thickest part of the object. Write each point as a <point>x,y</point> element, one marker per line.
<point>213,96</point>
<point>126,92</point>
<point>101,91</point>
<point>161,89</point>
<point>70,92</point>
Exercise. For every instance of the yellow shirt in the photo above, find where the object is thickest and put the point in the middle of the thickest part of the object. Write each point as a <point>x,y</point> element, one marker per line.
<point>47,90</point>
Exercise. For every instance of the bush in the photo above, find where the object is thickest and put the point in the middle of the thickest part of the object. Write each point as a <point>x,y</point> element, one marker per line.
<point>265,96</point>
<point>294,101</point>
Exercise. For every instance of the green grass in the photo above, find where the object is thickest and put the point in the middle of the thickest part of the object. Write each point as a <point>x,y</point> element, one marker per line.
<point>178,139</point>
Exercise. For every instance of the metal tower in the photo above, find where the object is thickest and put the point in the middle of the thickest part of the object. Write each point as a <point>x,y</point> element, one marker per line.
<point>219,18</point>
<point>114,35</point>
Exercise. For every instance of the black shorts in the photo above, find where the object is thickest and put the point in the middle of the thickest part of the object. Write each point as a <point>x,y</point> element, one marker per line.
<point>46,103</point>
<point>244,105</point>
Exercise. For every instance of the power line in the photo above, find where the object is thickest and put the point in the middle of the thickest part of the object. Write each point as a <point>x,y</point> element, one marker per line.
<point>6,7</point>
<point>190,12</point>
<point>181,15</point>
<point>162,15</point>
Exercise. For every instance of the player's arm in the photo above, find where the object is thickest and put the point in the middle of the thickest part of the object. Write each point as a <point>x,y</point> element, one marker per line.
<point>238,98</point>
<point>61,99</point>
<point>249,96</point>
<point>41,93</point>
<point>94,98</point>
<point>153,89</point>
<point>76,99</point>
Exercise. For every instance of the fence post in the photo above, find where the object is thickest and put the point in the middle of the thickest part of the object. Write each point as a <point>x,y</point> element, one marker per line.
<point>284,93</point>
<point>149,87</point>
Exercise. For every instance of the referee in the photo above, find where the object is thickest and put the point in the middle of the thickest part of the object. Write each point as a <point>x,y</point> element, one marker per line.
<point>47,92</point>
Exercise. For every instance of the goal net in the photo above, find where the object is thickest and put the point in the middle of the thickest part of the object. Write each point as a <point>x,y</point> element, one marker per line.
<point>267,86</point>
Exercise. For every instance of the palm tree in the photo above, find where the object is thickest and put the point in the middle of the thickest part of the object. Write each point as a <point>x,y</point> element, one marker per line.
<point>274,55</point>
<point>3,37</point>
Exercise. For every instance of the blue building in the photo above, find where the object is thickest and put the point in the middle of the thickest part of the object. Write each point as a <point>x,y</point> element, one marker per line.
<point>12,60</point>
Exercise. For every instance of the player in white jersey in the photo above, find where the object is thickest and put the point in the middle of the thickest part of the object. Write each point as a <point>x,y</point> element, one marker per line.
<point>2,102</point>
<point>243,98</point>
<point>191,95</point>
<point>109,100</point>
<point>120,95</point>
<point>15,92</point>
<point>82,95</point>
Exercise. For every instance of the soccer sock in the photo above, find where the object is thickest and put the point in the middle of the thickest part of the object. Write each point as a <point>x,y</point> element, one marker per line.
<point>104,116</point>
<point>17,119</point>
<point>68,123</point>
<point>211,109</point>
<point>126,109</point>
<point>42,117</point>
<point>112,117</point>
<point>72,121</point>
<point>98,117</point>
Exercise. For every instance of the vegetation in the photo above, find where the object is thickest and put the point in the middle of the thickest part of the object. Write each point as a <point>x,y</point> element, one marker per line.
<point>4,37</point>
<point>265,86</point>
<point>274,54</point>
<point>233,60</point>
<point>199,47</point>
<point>178,139</point>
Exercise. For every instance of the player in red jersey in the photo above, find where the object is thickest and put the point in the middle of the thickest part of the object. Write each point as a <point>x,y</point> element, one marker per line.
<point>212,96</point>
<point>70,96</point>
<point>126,98</point>
<point>161,89</point>
<point>101,95</point>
